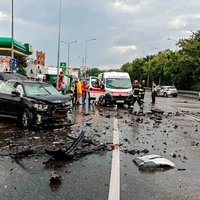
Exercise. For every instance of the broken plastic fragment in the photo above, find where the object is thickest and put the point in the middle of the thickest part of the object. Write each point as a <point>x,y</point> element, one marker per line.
<point>153,161</point>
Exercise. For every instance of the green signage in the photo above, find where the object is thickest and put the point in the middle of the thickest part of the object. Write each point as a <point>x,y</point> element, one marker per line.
<point>63,65</point>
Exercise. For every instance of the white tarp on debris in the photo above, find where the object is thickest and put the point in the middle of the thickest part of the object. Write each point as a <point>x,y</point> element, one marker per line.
<point>151,161</point>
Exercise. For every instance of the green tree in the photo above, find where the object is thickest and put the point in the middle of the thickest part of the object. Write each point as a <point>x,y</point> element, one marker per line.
<point>181,68</point>
<point>22,71</point>
<point>93,72</point>
<point>21,66</point>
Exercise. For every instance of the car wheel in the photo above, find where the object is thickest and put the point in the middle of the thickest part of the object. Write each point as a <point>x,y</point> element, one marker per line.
<point>175,95</point>
<point>102,101</point>
<point>165,94</point>
<point>26,118</point>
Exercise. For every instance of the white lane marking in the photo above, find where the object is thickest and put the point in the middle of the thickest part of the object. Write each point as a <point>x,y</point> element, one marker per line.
<point>114,190</point>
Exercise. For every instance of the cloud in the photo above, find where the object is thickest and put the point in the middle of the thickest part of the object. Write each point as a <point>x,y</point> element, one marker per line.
<point>128,6</point>
<point>182,20</point>
<point>110,66</point>
<point>124,49</point>
<point>2,16</point>
<point>124,29</point>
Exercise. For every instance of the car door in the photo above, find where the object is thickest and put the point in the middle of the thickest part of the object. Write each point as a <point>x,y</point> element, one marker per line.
<point>96,88</point>
<point>10,100</point>
<point>1,98</point>
<point>162,90</point>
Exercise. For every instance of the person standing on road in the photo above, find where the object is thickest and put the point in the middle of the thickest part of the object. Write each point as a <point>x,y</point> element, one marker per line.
<point>74,91</point>
<point>88,92</point>
<point>153,92</point>
<point>84,91</point>
<point>63,88</point>
<point>79,91</point>
<point>142,93</point>
<point>136,88</point>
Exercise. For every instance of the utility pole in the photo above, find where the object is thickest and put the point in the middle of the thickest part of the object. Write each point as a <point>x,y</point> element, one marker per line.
<point>68,43</point>
<point>12,51</point>
<point>86,52</point>
<point>58,56</point>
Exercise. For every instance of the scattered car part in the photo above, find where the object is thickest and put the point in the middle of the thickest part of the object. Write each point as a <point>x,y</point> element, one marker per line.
<point>84,140</point>
<point>153,161</point>
<point>55,178</point>
<point>76,143</point>
<point>24,152</point>
<point>156,110</point>
<point>66,154</point>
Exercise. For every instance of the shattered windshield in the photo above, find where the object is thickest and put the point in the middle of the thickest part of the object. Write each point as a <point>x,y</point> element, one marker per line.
<point>35,89</point>
<point>51,89</point>
<point>118,83</point>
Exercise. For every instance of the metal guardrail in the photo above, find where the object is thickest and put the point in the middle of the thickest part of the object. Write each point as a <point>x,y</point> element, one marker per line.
<point>188,92</point>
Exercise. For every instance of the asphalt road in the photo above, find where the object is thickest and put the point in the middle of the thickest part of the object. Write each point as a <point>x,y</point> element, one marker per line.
<point>89,177</point>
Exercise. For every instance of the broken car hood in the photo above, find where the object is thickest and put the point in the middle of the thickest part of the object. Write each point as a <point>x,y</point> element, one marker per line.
<point>51,98</point>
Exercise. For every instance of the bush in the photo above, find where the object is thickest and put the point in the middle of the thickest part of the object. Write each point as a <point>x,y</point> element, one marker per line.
<point>196,87</point>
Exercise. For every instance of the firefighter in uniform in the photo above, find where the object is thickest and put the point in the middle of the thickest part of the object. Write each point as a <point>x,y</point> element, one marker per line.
<point>142,93</point>
<point>136,88</point>
<point>153,92</point>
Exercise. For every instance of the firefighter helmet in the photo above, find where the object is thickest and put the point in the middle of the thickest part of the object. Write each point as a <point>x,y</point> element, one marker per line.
<point>143,81</point>
<point>136,81</point>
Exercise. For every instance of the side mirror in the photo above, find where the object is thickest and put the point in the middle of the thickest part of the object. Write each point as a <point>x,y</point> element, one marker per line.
<point>15,93</point>
<point>90,89</point>
<point>102,86</point>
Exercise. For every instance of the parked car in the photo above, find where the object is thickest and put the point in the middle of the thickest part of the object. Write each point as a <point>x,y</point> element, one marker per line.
<point>5,76</point>
<point>167,91</point>
<point>33,103</point>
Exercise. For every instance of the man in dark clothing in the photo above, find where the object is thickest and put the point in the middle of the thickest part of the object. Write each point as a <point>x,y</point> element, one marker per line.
<point>74,91</point>
<point>136,88</point>
<point>153,92</point>
<point>142,93</point>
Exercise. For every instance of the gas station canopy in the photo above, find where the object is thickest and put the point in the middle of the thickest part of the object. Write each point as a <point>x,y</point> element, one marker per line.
<point>20,50</point>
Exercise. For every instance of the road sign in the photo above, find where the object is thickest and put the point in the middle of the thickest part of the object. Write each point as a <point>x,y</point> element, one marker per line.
<point>63,65</point>
<point>14,64</point>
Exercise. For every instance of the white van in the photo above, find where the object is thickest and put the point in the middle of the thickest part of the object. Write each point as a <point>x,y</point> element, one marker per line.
<point>111,88</point>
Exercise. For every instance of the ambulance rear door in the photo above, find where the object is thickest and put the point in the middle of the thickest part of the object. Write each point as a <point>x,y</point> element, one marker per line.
<point>96,88</point>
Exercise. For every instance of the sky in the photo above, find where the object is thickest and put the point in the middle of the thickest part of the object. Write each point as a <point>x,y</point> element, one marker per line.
<point>123,29</point>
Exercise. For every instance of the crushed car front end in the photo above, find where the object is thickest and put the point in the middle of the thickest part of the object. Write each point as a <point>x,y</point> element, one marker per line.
<point>54,114</point>
<point>48,112</point>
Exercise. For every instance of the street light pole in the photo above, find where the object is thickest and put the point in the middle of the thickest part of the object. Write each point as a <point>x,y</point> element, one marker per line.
<point>12,51</point>
<point>86,51</point>
<point>58,56</point>
<point>68,43</point>
<point>148,71</point>
<point>174,41</point>
<point>82,60</point>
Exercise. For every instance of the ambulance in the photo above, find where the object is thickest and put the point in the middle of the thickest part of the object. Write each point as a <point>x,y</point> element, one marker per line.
<point>111,88</point>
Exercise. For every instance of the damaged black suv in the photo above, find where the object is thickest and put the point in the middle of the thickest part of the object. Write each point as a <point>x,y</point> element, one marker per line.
<point>33,103</point>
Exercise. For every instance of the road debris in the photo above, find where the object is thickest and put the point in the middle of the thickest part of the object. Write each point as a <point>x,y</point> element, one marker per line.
<point>55,178</point>
<point>153,161</point>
